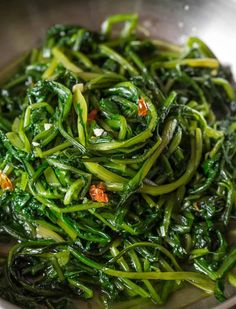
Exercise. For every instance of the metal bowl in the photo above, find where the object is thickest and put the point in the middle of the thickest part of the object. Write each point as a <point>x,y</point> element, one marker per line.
<point>23,24</point>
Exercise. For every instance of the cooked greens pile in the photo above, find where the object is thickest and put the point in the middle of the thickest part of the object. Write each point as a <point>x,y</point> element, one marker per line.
<point>117,169</point>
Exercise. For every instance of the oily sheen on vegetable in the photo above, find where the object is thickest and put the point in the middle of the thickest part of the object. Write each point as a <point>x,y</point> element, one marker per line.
<point>117,170</point>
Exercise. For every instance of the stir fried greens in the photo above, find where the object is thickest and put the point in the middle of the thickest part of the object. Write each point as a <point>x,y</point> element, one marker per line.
<point>118,169</point>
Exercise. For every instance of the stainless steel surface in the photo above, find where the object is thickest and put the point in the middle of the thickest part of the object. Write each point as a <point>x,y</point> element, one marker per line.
<point>23,24</point>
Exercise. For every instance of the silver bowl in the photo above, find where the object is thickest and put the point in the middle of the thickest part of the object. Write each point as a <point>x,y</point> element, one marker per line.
<point>24,23</point>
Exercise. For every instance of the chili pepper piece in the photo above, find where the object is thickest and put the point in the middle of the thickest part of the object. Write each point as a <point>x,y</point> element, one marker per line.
<point>97,193</point>
<point>5,182</point>
<point>142,108</point>
<point>93,114</point>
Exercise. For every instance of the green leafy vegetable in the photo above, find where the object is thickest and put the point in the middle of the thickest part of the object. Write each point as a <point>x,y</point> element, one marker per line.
<point>117,169</point>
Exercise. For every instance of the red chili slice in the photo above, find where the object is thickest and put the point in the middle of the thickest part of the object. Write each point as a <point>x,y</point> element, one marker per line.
<point>97,193</point>
<point>93,114</point>
<point>142,108</point>
<point>5,182</point>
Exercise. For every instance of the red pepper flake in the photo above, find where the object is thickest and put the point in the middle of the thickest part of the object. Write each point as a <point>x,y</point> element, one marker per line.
<point>93,114</point>
<point>97,193</point>
<point>5,182</point>
<point>142,108</point>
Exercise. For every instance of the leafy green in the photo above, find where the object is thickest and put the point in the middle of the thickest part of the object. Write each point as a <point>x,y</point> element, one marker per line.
<point>71,121</point>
